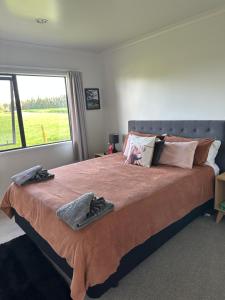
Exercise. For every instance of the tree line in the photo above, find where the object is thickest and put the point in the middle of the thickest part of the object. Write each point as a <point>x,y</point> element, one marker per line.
<point>38,103</point>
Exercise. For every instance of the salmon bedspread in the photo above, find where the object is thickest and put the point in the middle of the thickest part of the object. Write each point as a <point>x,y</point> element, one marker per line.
<point>146,201</point>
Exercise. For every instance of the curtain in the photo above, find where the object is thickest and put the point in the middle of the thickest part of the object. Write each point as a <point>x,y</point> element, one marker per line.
<point>76,102</point>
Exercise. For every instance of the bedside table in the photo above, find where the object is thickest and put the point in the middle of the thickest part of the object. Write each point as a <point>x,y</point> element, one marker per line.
<point>99,154</point>
<point>219,196</point>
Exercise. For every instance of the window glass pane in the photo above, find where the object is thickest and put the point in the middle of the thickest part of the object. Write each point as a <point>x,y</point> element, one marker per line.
<point>44,109</point>
<point>9,129</point>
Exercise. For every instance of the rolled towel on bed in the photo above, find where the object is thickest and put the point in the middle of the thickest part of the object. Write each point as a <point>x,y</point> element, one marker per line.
<point>83,211</point>
<point>76,211</point>
<point>98,208</point>
<point>26,175</point>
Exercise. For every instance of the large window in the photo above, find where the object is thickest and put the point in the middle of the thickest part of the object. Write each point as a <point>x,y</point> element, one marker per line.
<point>33,111</point>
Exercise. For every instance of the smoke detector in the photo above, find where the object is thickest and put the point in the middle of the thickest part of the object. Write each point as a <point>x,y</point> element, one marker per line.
<point>41,20</point>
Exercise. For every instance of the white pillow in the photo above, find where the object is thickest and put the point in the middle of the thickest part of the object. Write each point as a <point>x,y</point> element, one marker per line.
<point>136,139</point>
<point>125,153</point>
<point>141,152</point>
<point>213,151</point>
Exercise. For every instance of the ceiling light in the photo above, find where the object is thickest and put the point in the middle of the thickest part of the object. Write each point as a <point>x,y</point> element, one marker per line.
<point>41,20</point>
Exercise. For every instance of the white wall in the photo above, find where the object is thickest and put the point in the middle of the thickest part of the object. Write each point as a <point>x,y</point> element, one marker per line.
<point>35,57</point>
<point>50,156</point>
<point>178,74</point>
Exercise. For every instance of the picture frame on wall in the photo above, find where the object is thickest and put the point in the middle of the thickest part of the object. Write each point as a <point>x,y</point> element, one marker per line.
<point>92,98</point>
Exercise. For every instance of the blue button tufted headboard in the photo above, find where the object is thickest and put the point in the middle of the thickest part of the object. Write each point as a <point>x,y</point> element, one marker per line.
<point>187,128</point>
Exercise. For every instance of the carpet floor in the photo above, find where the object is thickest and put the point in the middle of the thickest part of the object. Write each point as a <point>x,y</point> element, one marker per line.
<point>190,266</point>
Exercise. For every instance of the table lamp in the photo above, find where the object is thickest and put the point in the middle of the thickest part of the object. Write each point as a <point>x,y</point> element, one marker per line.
<point>113,140</point>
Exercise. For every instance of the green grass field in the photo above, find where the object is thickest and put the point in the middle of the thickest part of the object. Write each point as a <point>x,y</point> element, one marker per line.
<point>41,126</point>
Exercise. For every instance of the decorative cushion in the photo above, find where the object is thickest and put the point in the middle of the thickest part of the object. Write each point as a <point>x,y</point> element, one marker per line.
<point>141,152</point>
<point>127,139</point>
<point>202,149</point>
<point>126,144</point>
<point>179,154</point>
<point>159,145</point>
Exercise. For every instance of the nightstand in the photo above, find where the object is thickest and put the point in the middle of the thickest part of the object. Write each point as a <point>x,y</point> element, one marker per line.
<point>99,154</point>
<point>219,196</point>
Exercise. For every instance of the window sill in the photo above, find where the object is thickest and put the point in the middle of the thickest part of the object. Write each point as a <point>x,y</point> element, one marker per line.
<point>41,147</point>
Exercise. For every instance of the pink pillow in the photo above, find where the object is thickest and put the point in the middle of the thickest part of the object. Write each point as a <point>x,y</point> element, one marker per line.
<point>179,154</point>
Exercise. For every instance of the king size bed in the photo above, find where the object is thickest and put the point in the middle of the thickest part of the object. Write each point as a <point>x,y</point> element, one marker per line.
<point>151,205</point>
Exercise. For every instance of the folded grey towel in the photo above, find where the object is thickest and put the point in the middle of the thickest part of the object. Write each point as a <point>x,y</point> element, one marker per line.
<point>84,210</point>
<point>108,207</point>
<point>76,211</point>
<point>25,175</point>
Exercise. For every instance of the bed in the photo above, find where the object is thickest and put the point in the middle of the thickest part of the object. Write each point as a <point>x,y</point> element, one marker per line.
<point>109,177</point>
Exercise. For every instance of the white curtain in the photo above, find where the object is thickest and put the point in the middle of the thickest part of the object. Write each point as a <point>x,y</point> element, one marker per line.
<point>76,101</point>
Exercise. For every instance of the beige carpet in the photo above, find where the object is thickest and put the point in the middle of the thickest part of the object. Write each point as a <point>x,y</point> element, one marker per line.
<point>191,266</point>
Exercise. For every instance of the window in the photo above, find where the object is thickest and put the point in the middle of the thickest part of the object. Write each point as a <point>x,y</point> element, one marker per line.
<point>9,127</point>
<point>33,111</point>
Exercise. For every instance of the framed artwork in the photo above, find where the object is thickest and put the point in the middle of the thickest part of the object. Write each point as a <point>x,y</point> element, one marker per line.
<point>92,98</point>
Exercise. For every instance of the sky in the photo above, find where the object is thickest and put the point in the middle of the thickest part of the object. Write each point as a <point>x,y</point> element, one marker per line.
<point>33,87</point>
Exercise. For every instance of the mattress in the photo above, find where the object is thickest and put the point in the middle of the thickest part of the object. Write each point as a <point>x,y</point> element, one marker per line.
<point>146,201</point>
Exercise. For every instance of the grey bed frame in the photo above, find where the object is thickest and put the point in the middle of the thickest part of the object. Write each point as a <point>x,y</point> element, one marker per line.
<point>212,129</point>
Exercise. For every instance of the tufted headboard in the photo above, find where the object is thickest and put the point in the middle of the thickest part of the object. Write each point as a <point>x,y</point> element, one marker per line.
<point>194,129</point>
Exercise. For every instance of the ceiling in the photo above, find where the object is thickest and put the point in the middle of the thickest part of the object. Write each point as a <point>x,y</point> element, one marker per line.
<point>93,24</point>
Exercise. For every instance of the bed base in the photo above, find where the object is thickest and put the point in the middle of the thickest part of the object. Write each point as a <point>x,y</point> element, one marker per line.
<point>130,260</point>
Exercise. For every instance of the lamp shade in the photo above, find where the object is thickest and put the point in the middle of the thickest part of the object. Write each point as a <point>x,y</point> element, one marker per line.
<point>113,138</point>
